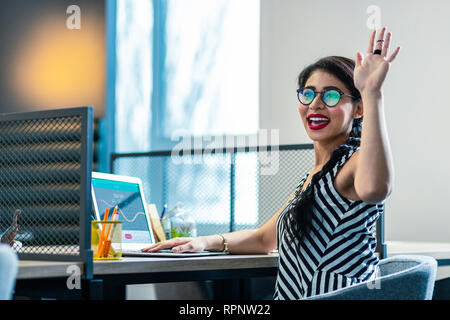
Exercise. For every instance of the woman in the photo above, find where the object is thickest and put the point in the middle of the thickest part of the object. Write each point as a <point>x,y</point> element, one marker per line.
<point>323,232</point>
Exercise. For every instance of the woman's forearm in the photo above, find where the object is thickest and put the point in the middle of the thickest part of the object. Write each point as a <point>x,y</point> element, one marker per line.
<point>239,242</point>
<point>262,240</point>
<point>375,173</point>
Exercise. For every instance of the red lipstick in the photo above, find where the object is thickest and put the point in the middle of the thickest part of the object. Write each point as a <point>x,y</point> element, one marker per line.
<point>317,121</point>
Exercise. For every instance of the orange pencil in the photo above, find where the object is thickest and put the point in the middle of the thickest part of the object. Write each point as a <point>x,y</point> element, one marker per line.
<point>102,234</point>
<point>107,242</point>
<point>112,219</point>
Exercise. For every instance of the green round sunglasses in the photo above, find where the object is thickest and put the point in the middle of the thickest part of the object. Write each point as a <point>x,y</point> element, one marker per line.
<point>330,97</point>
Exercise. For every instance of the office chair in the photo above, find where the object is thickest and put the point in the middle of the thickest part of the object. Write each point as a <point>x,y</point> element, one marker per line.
<point>8,272</point>
<point>403,277</point>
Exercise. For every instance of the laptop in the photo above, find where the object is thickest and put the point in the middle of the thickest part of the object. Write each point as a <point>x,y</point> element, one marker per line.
<point>110,190</point>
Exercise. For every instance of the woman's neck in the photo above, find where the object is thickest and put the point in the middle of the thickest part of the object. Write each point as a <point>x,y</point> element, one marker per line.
<point>324,149</point>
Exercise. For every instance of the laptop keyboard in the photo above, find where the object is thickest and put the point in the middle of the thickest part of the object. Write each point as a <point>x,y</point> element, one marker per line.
<point>139,251</point>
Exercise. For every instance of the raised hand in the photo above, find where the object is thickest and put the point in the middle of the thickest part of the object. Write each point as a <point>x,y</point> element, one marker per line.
<point>370,71</point>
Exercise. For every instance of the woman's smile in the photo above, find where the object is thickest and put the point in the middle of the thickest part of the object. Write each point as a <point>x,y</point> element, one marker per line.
<point>317,121</point>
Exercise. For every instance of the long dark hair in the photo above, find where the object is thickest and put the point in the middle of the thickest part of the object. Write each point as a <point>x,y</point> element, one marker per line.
<point>300,211</point>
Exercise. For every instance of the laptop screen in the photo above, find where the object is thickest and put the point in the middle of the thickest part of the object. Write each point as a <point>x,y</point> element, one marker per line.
<point>128,198</point>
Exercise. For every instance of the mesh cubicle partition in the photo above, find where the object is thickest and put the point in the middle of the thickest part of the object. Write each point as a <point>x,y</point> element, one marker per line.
<point>223,189</point>
<point>45,174</point>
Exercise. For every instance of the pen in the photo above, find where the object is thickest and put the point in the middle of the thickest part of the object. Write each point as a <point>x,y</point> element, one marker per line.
<point>102,234</point>
<point>106,248</point>
<point>113,218</point>
<point>164,211</point>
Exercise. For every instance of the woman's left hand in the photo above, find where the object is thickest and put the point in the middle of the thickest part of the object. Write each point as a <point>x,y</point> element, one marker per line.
<point>370,71</point>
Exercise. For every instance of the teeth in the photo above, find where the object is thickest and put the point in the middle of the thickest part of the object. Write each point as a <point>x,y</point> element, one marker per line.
<point>318,119</point>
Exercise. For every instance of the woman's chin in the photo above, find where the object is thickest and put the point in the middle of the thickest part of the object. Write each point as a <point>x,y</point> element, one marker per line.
<point>317,136</point>
<point>327,139</point>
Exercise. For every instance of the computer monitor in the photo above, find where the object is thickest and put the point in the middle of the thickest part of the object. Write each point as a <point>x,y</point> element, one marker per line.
<point>108,191</point>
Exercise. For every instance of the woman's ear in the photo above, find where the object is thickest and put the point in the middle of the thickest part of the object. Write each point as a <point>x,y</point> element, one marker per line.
<point>358,111</point>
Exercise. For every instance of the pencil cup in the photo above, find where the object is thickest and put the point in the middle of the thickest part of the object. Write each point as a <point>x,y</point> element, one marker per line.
<point>106,242</point>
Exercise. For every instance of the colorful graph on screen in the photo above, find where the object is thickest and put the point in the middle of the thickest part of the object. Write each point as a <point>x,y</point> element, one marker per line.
<point>130,207</point>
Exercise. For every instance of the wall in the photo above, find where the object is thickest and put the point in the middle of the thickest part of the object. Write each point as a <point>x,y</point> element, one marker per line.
<point>44,64</point>
<point>295,33</point>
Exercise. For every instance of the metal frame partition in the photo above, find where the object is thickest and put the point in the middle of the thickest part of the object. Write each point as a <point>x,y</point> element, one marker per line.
<point>201,175</point>
<point>45,174</point>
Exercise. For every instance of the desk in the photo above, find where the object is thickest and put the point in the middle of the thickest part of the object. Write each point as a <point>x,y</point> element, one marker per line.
<point>438,250</point>
<point>111,277</point>
<point>49,279</point>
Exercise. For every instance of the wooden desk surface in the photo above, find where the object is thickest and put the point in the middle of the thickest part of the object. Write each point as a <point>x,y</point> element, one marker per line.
<point>49,269</point>
<point>437,250</point>
<point>30,269</point>
<point>163,264</point>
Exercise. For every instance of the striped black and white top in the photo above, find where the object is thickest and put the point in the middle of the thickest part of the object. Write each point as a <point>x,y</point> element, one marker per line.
<point>338,251</point>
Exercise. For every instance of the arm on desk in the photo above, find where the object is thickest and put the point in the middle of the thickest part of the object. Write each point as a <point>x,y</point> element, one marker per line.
<point>262,240</point>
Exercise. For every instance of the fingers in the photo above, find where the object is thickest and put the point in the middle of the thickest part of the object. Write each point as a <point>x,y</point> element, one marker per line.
<point>382,44</point>
<point>359,59</point>
<point>188,247</point>
<point>387,42</point>
<point>393,55</point>
<point>371,40</point>
<point>168,244</point>
<point>380,39</point>
<point>151,248</point>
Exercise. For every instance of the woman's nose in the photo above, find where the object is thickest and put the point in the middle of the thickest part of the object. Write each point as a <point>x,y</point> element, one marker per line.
<point>317,103</point>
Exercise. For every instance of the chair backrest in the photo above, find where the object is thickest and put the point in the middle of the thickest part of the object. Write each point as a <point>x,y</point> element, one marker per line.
<point>8,272</point>
<point>403,277</point>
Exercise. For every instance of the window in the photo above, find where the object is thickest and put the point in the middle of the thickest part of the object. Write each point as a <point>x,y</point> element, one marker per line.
<point>133,87</point>
<point>188,66</point>
<point>211,67</point>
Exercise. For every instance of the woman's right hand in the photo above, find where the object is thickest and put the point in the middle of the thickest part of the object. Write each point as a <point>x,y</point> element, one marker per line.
<point>179,245</point>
